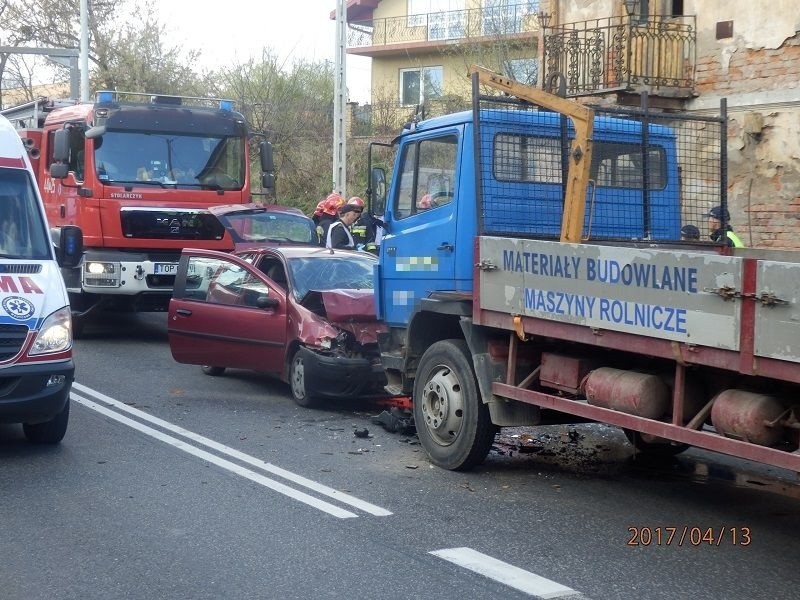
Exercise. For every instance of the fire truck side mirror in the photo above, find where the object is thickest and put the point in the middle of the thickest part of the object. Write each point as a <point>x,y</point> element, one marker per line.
<point>265,152</point>
<point>69,251</point>
<point>61,146</point>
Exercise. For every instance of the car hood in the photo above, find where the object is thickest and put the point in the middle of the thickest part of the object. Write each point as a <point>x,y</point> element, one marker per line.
<point>350,310</point>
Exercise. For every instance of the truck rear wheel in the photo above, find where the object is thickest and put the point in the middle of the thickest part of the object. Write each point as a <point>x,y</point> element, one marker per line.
<point>49,432</point>
<point>452,422</point>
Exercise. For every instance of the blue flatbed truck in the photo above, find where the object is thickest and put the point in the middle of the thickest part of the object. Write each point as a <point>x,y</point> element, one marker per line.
<point>532,272</point>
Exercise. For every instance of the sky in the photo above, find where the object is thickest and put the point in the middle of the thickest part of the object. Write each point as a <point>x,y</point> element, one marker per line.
<point>236,30</point>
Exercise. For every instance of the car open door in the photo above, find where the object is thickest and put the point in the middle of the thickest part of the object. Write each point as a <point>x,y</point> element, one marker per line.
<point>226,313</point>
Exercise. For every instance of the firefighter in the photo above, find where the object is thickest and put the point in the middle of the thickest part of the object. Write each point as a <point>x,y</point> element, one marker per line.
<point>325,214</point>
<point>718,233</point>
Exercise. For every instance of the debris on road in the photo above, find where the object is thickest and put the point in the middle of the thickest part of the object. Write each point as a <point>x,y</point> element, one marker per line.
<point>396,420</point>
<point>361,433</point>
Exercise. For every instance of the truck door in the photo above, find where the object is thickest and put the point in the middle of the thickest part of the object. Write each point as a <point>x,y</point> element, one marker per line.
<point>426,247</point>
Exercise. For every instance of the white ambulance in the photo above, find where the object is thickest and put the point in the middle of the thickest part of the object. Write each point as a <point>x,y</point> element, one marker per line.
<point>36,367</point>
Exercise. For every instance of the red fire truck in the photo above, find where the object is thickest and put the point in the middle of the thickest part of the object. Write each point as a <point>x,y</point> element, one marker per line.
<point>136,173</point>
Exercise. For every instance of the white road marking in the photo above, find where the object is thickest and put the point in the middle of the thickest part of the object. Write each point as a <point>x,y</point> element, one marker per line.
<point>507,574</point>
<point>246,458</point>
<point>326,507</point>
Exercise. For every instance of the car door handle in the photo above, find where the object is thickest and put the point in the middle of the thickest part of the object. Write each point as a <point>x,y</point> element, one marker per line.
<point>445,246</point>
<point>184,311</point>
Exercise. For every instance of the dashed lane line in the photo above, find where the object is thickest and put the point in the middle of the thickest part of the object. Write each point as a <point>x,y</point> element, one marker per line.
<point>507,574</point>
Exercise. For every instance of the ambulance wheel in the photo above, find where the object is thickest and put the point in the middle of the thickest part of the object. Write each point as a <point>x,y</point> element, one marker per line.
<point>452,422</point>
<point>49,432</point>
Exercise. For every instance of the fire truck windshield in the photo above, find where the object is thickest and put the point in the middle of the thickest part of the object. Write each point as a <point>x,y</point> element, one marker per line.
<point>132,158</point>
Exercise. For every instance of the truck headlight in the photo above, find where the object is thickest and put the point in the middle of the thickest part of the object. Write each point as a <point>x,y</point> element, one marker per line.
<point>101,274</point>
<point>55,334</point>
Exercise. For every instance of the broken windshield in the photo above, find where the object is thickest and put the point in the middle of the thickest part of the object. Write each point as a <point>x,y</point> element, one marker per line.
<point>132,158</point>
<point>337,272</point>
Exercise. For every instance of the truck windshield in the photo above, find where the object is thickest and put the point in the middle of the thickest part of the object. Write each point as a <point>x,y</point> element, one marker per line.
<point>126,157</point>
<point>22,230</point>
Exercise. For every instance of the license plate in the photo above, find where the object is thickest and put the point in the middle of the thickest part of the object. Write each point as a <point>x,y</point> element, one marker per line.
<point>165,268</point>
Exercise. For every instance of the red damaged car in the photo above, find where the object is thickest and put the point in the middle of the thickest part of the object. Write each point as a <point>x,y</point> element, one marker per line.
<point>304,314</point>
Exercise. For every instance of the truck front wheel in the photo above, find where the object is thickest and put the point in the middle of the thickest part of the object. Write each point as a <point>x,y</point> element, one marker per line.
<point>452,422</point>
<point>49,432</point>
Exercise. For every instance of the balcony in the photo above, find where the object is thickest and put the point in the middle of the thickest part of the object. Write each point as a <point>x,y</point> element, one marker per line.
<point>620,54</point>
<point>423,32</point>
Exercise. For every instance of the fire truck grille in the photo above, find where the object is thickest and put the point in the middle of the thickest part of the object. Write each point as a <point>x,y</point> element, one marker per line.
<point>183,224</point>
<point>12,337</point>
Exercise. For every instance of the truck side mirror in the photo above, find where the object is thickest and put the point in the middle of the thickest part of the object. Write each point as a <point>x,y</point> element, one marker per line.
<point>60,165</point>
<point>378,188</point>
<point>265,152</point>
<point>267,166</point>
<point>69,250</point>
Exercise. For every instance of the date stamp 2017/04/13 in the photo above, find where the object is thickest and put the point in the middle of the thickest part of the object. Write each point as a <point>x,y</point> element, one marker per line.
<point>687,535</point>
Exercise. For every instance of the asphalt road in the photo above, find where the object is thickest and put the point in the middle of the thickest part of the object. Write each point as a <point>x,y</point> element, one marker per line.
<point>172,484</point>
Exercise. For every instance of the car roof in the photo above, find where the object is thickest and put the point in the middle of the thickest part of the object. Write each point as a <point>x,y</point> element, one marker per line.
<point>289,252</point>
<point>229,209</point>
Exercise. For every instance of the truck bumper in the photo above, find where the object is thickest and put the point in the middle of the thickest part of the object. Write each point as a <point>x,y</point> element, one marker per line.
<point>109,272</point>
<point>34,393</point>
<point>340,377</point>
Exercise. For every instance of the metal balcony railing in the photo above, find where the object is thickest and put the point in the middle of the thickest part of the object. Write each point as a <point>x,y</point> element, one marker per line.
<point>619,53</point>
<point>444,26</point>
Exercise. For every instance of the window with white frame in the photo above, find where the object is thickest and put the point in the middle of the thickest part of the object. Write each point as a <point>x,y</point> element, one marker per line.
<point>445,19</point>
<point>506,16</point>
<point>419,85</point>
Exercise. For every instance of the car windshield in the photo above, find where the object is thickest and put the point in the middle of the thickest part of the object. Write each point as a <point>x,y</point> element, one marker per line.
<point>269,226</point>
<point>22,229</point>
<point>159,159</point>
<point>337,272</point>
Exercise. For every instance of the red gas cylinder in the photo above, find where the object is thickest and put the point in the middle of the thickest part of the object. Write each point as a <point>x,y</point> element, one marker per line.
<point>742,415</point>
<point>630,392</point>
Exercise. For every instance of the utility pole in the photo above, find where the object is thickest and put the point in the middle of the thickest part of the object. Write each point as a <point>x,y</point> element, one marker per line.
<point>84,50</point>
<point>340,102</point>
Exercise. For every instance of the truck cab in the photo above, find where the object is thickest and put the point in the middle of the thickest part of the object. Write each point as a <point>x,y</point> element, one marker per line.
<point>432,212</point>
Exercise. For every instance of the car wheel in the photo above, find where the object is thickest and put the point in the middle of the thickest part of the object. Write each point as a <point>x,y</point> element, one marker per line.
<point>49,432</point>
<point>654,446</point>
<point>452,422</point>
<point>212,371</point>
<point>297,382</point>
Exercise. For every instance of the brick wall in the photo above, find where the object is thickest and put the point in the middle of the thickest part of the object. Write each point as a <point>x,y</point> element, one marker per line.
<point>764,160</point>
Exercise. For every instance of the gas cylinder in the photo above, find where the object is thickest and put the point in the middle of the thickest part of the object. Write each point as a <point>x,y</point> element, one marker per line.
<point>631,392</point>
<point>742,415</point>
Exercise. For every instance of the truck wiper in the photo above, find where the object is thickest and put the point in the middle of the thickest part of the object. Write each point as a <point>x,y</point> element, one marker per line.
<point>138,182</point>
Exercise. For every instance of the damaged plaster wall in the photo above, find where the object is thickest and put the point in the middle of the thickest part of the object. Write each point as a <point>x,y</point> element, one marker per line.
<point>758,70</point>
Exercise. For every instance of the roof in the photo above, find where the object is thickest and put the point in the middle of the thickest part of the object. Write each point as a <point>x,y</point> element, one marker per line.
<point>289,252</point>
<point>358,10</point>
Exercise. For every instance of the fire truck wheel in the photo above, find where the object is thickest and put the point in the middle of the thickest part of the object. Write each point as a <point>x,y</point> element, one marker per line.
<point>212,371</point>
<point>49,432</point>
<point>653,446</point>
<point>297,382</point>
<point>453,424</point>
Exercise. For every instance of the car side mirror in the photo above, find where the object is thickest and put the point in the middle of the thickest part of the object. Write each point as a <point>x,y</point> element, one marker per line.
<point>265,301</point>
<point>59,170</point>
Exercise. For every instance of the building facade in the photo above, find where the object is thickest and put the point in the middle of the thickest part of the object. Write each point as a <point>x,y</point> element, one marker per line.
<point>686,54</point>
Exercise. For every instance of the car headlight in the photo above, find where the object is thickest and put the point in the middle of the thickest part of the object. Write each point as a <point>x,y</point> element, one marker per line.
<point>55,334</point>
<point>325,343</point>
